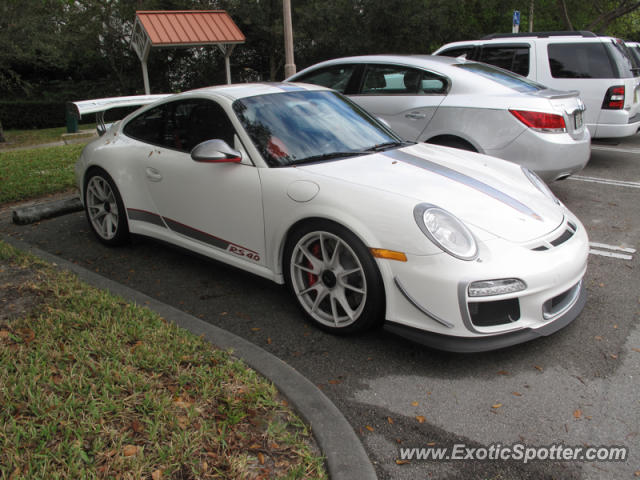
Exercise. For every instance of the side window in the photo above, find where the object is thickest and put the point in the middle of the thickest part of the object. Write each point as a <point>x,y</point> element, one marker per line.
<point>181,125</point>
<point>455,52</point>
<point>336,77</point>
<point>148,127</point>
<point>513,58</point>
<point>579,60</point>
<point>205,120</point>
<point>400,80</point>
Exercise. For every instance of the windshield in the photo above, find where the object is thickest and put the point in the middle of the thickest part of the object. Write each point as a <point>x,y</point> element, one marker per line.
<point>303,126</point>
<point>503,77</point>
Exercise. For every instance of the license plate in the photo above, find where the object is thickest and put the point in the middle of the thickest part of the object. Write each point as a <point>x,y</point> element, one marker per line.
<point>577,120</point>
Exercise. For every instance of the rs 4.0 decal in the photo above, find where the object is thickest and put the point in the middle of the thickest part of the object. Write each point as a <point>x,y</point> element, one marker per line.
<point>244,253</point>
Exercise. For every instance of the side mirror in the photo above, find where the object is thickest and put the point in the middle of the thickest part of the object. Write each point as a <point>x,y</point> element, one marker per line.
<point>215,151</point>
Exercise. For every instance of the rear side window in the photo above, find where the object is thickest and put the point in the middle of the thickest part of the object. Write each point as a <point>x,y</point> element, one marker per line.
<point>514,58</point>
<point>181,125</point>
<point>149,126</point>
<point>503,77</point>
<point>401,80</point>
<point>580,60</point>
<point>336,77</point>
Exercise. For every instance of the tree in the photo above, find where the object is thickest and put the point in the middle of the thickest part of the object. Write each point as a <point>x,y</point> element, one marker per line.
<point>595,16</point>
<point>2,139</point>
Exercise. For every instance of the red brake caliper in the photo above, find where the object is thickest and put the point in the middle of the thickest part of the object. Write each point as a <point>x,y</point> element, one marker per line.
<point>315,250</point>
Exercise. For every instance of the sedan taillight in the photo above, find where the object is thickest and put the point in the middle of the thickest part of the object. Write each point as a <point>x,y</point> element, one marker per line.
<point>542,122</point>
<point>614,98</point>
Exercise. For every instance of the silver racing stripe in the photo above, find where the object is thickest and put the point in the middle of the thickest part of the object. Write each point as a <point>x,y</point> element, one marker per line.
<point>287,87</point>
<point>461,178</point>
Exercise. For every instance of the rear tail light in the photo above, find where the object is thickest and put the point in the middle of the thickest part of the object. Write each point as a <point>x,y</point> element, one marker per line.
<point>614,98</point>
<point>542,122</point>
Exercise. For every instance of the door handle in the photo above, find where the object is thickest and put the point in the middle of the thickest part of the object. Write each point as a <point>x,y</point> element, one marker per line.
<point>415,115</point>
<point>153,174</point>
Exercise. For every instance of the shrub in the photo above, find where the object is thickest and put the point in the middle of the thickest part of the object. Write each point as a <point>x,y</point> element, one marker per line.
<point>31,114</point>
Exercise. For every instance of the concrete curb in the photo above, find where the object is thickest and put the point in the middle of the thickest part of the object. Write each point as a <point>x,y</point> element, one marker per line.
<point>345,455</point>
<point>35,213</point>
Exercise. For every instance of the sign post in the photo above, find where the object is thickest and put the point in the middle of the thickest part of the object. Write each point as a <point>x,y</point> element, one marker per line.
<point>516,21</point>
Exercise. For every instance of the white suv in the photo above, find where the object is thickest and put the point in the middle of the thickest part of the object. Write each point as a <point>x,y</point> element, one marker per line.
<point>602,69</point>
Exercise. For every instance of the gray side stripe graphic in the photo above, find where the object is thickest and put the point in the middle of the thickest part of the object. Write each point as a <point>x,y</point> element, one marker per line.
<point>143,216</point>
<point>461,178</point>
<point>197,234</point>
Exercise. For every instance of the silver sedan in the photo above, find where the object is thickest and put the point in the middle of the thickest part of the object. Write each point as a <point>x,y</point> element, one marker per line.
<point>464,104</point>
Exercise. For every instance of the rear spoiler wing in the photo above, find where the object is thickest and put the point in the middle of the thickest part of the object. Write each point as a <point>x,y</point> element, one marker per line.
<point>101,105</point>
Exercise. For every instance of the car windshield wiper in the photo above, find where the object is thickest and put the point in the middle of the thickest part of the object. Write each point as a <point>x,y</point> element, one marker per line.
<point>381,147</point>
<point>326,156</point>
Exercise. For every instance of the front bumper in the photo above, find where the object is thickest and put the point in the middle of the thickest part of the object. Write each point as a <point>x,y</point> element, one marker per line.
<point>428,299</point>
<point>491,342</point>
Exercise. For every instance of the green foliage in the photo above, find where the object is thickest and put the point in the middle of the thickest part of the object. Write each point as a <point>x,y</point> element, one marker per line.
<point>93,387</point>
<point>27,174</point>
<point>69,50</point>
<point>32,114</point>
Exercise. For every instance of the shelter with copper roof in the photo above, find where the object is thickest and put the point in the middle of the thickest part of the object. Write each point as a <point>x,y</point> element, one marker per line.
<point>184,28</point>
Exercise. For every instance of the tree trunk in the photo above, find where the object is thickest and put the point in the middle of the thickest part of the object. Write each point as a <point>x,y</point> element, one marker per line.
<point>565,15</point>
<point>2,139</point>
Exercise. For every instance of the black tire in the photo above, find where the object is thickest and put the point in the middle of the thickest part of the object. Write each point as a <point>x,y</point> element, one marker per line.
<point>340,292</point>
<point>104,208</point>
<point>453,142</point>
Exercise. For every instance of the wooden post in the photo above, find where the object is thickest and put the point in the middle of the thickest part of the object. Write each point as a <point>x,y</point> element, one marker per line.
<point>289,65</point>
<point>531,16</point>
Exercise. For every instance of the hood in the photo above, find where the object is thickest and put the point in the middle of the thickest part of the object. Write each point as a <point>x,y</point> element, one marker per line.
<point>485,192</point>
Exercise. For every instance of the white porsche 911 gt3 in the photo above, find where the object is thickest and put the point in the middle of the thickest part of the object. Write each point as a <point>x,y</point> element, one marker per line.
<point>295,183</point>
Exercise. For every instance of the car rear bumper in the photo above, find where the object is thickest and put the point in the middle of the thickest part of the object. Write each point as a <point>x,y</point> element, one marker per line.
<point>615,124</point>
<point>616,130</point>
<point>552,156</point>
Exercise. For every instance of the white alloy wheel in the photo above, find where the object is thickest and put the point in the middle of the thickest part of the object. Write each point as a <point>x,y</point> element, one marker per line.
<point>335,279</point>
<point>105,210</point>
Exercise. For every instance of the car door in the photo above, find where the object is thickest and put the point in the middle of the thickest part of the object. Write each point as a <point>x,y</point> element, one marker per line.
<point>216,205</point>
<point>405,97</point>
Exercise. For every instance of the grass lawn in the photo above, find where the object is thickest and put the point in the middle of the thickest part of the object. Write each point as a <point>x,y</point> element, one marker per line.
<point>93,387</point>
<point>25,174</point>
<point>26,138</point>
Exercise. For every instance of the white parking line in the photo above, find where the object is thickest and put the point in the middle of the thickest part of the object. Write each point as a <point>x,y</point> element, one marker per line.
<point>602,253</point>
<point>613,248</point>
<point>606,181</point>
<point>604,148</point>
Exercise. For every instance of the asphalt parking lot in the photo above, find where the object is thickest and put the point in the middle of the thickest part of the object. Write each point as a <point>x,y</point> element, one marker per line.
<point>576,388</point>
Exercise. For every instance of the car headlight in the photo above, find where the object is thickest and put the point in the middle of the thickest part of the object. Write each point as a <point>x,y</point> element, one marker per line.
<point>539,184</point>
<point>446,231</point>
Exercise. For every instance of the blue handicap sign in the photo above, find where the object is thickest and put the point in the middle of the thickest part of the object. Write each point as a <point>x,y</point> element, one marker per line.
<point>516,17</point>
